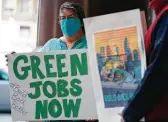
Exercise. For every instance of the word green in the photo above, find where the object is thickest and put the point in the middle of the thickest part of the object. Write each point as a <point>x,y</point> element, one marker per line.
<point>32,64</point>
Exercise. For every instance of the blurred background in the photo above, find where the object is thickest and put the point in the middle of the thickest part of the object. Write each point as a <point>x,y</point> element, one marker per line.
<point>26,25</point>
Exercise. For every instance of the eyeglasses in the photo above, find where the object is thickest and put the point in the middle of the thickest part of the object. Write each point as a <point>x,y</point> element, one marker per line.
<point>67,17</point>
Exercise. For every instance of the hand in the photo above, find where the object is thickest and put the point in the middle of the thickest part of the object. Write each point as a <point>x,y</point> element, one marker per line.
<point>90,120</point>
<point>122,120</point>
<point>7,57</point>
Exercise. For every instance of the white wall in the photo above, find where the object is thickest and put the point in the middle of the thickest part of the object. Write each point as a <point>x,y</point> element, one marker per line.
<point>10,39</point>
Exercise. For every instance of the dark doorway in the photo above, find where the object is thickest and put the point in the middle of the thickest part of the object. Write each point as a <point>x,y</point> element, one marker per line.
<point>100,7</point>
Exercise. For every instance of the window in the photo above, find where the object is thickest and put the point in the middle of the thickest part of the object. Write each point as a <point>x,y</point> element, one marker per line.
<point>135,54</point>
<point>102,49</point>
<point>25,32</point>
<point>25,5</point>
<point>8,8</point>
<point>9,5</point>
<point>117,51</point>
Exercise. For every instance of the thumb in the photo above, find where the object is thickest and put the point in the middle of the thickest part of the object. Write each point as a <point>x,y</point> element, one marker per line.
<point>13,52</point>
<point>120,114</point>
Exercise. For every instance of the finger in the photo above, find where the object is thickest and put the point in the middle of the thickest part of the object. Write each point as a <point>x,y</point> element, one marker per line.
<point>13,52</point>
<point>91,120</point>
<point>122,120</point>
<point>120,114</point>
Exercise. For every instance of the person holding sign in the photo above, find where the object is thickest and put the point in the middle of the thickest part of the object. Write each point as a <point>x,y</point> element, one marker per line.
<point>151,97</point>
<point>72,26</point>
<point>71,22</point>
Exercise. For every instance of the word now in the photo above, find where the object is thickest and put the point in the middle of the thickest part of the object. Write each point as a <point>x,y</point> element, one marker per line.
<point>55,108</point>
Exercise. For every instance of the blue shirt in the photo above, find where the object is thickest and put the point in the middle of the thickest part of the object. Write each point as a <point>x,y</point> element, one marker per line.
<point>58,44</point>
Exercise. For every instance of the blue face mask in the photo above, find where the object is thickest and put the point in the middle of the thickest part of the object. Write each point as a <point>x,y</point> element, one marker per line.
<point>70,26</point>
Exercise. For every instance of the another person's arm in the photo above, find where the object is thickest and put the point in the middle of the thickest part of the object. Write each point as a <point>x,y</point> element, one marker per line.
<point>154,82</point>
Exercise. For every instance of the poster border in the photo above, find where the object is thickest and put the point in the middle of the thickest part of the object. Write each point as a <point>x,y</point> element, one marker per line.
<point>110,22</point>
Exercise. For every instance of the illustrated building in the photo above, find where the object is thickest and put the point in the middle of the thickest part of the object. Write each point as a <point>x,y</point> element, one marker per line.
<point>119,48</point>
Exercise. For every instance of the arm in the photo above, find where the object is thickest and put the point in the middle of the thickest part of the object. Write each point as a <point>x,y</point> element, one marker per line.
<point>46,47</point>
<point>155,80</point>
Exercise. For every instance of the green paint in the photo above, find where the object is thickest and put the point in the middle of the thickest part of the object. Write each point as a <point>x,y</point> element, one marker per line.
<point>110,98</point>
<point>24,69</point>
<point>76,90</point>
<point>115,97</point>
<point>48,66</point>
<point>71,107</point>
<point>122,97</point>
<point>53,87</point>
<point>36,86</point>
<point>118,97</point>
<point>61,65</point>
<point>106,98</point>
<point>82,65</point>
<point>35,63</point>
<point>55,108</point>
<point>41,109</point>
<point>125,97</point>
<point>61,87</point>
<point>131,95</point>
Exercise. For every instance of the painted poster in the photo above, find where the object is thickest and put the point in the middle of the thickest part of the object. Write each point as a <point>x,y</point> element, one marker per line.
<point>51,86</point>
<point>117,60</point>
<point>119,64</point>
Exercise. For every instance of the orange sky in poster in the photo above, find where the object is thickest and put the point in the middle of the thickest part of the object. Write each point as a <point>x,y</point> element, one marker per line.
<point>115,38</point>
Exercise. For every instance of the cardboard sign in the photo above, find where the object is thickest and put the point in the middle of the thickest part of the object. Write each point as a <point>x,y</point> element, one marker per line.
<point>117,58</point>
<point>51,86</point>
